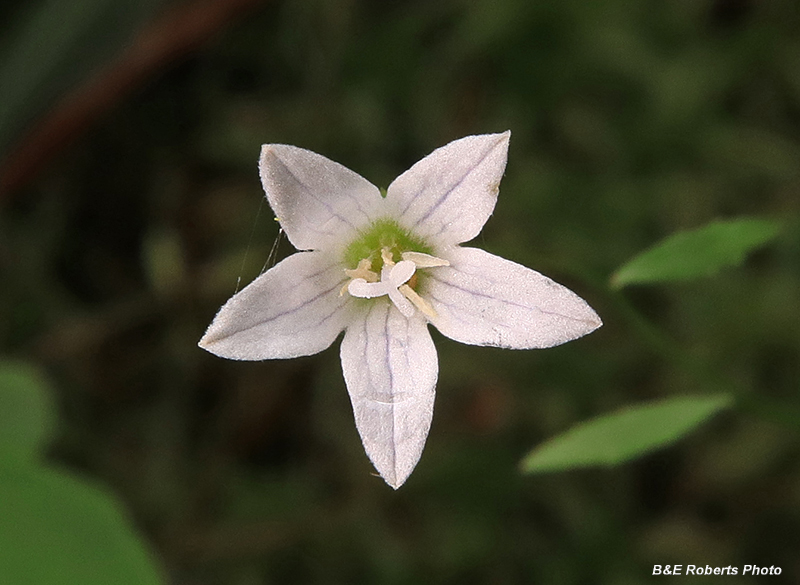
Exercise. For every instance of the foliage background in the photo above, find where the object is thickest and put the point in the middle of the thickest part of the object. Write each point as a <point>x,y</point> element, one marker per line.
<point>630,121</point>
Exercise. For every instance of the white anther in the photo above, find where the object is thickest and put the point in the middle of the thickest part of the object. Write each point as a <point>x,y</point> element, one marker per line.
<point>363,270</point>
<point>420,303</point>
<point>422,260</point>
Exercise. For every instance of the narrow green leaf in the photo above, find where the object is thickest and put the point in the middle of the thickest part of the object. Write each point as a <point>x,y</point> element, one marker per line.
<point>697,253</point>
<point>615,438</point>
<point>26,411</point>
<point>57,530</point>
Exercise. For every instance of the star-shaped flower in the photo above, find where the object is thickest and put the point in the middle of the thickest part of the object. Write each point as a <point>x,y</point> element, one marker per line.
<point>381,268</point>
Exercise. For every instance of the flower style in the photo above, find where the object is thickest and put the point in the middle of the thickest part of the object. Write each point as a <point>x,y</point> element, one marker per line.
<point>381,268</point>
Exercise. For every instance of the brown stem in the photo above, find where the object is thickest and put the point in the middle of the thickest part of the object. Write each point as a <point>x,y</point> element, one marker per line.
<point>178,31</point>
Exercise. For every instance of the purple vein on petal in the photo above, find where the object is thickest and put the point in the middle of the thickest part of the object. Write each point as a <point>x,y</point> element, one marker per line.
<point>311,194</point>
<point>213,338</point>
<point>499,300</point>
<point>443,197</point>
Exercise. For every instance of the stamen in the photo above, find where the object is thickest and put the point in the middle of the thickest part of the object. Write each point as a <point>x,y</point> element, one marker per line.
<point>387,256</point>
<point>424,260</point>
<point>361,271</point>
<point>420,303</point>
<point>397,280</point>
<point>392,277</point>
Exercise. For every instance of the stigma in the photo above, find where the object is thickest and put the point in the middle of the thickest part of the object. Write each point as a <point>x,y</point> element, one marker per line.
<point>397,280</point>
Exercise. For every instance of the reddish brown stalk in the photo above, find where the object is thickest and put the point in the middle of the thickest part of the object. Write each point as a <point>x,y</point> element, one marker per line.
<point>176,33</point>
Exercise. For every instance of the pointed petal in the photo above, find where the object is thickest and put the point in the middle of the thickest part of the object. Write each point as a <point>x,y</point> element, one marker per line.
<point>390,368</point>
<point>482,299</point>
<point>317,201</point>
<point>293,309</point>
<point>448,195</point>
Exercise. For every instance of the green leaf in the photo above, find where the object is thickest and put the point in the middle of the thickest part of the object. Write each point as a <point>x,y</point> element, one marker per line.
<point>615,438</point>
<point>54,528</point>
<point>26,411</point>
<point>57,530</point>
<point>697,253</point>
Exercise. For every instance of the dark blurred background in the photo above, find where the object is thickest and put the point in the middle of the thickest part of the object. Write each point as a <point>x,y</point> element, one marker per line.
<point>132,209</point>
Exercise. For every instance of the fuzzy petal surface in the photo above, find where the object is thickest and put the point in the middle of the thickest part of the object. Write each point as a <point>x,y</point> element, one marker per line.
<point>448,195</point>
<point>482,299</point>
<point>319,203</point>
<point>293,309</point>
<point>390,368</point>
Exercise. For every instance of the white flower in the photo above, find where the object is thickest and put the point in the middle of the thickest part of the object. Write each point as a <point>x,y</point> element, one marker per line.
<point>381,268</point>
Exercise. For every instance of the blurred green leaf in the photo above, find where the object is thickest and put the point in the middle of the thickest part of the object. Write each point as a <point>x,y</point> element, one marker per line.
<point>26,412</point>
<point>53,527</point>
<point>701,252</point>
<point>615,438</point>
<point>56,530</point>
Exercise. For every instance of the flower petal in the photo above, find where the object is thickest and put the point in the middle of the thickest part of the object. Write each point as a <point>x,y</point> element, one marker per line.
<point>390,368</point>
<point>293,309</point>
<point>448,195</point>
<point>482,299</point>
<point>317,201</point>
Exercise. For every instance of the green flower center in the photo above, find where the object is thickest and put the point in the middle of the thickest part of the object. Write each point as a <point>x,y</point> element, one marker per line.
<point>383,233</point>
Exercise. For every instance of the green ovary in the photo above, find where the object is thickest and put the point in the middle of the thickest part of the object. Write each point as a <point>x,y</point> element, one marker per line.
<point>383,233</point>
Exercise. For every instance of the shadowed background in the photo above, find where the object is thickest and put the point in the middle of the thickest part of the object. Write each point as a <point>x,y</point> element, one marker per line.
<point>132,209</point>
